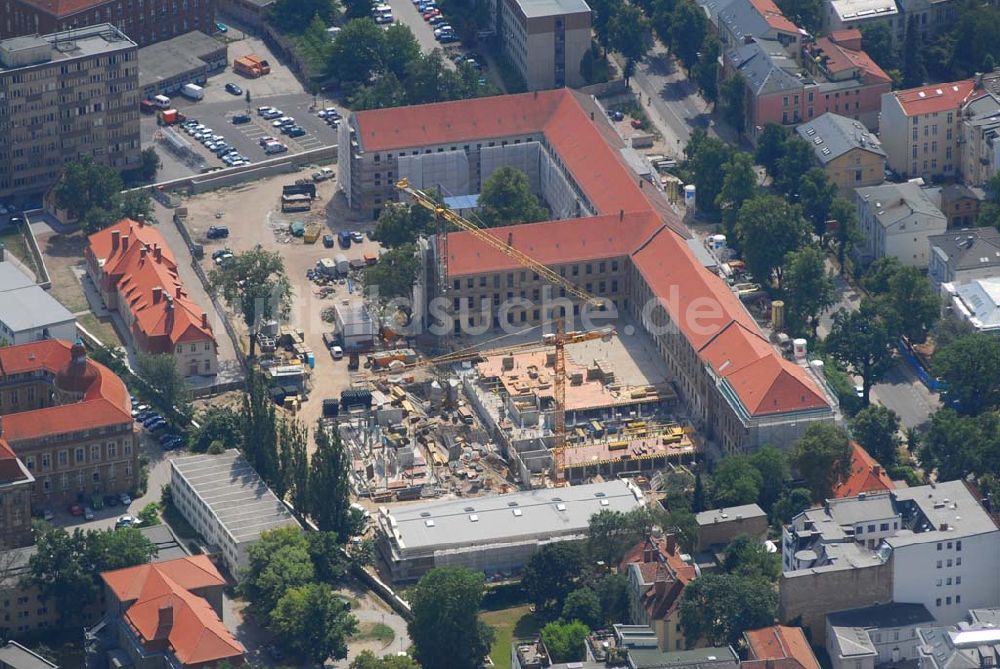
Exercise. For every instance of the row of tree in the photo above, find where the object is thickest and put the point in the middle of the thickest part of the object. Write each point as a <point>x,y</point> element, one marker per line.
<point>92,193</point>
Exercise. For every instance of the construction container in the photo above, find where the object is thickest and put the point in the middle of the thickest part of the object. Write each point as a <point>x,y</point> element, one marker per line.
<point>311,233</point>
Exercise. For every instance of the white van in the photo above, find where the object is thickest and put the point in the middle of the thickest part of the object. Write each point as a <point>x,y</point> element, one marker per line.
<point>162,101</point>
<point>275,147</point>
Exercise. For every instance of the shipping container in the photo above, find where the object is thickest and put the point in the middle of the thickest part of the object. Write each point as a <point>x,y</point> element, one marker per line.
<point>193,91</point>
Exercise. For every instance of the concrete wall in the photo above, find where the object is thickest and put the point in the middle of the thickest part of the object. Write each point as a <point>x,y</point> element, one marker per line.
<point>808,596</point>
<point>726,531</point>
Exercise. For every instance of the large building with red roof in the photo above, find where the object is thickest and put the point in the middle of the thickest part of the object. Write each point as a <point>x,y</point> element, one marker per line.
<point>136,273</point>
<point>169,614</point>
<point>657,574</point>
<point>778,647</point>
<point>68,420</point>
<point>144,22</point>
<point>615,239</point>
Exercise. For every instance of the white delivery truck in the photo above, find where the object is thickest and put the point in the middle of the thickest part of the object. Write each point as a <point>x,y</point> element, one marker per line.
<point>193,91</point>
<point>162,101</point>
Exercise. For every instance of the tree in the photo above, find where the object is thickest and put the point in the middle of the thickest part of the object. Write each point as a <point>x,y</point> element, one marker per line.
<point>736,482</point>
<point>445,628</point>
<point>327,554</point>
<point>970,367</point>
<point>400,224</point>
<point>357,9</point>
<point>506,198</point>
<point>957,446</point>
<point>914,72</point>
<point>809,290</point>
<point>329,484</point>
<point>387,91</point>
<point>687,32</point>
<point>816,194</point>
<point>160,371</point>
<point>584,605</point>
<point>720,607</point>
<point>879,273</point>
<point>739,183</point>
<point>254,284</point>
<point>293,15</point>
<point>149,165</point>
<point>401,48</point>
<point>662,17</point>
<point>862,341</point>
<point>293,462</point>
<point>805,13</point>
<point>150,514</point>
<point>313,622</point>
<point>368,660</point>
<point>769,228</point>
<point>791,503</point>
<point>628,33</point>
<point>613,592</point>
<point>698,501</point>
<point>705,157</point>
<point>135,204</point>
<point>796,160</point>
<point>394,274</point>
<point>550,575</point>
<point>733,96</point>
<point>260,432</point>
<point>220,424</point>
<point>611,533</point>
<point>749,557</point>
<point>913,306</point>
<point>822,456</point>
<point>357,53</point>
<point>770,147</point>
<point>772,465</point>
<point>564,640</point>
<point>876,40</point>
<point>276,563</point>
<point>603,11</point>
<point>706,70</point>
<point>684,526</point>
<point>90,192</point>
<point>847,232</point>
<point>876,428</point>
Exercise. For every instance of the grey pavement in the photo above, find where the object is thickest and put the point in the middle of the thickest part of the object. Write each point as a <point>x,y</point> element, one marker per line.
<point>903,392</point>
<point>404,11</point>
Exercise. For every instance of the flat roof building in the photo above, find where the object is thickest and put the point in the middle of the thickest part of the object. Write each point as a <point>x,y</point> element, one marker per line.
<point>226,501</point>
<point>976,302</point>
<point>86,81</point>
<point>27,312</point>
<point>970,644</point>
<point>15,656</point>
<point>717,527</point>
<point>491,534</point>
<point>189,58</point>
<point>884,634</point>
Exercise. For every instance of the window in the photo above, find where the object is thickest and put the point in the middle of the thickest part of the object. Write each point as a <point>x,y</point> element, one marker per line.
<point>939,564</point>
<point>948,563</point>
<point>112,449</point>
<point>127,449</point>
<point>871,528</point>
<point>884,527</point>
<point>95,452</point>
<point>940,546</point>
<point>79,456</point>
<point>63,458</point>
<point>937,602</point>
<point>958,562</point>
<point>948,581</point>
<point>958,546</point>
<point>958,599</point>
<point>858,175</point>
<point>947,601</point>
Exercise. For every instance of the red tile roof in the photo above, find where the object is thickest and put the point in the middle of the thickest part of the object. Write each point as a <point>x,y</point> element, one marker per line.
<point>935,98</point>
<point>839,58</point>
<point>105,399</point>
<point>866,475</point>
<point>850,38</point>
<point>773,16</point>
<point>663,570</point>
<point>64,8</point>
<point>145,275</point>
<point>786,646</point>
<point>166,615</point>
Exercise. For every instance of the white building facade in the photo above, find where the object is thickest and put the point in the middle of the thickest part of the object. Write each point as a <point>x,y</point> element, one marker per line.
<point>897,220</point>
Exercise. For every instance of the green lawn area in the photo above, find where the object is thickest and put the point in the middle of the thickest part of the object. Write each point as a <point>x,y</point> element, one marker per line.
<point>516,622</point>
<point>14,242</point>
<point>375,632</point>
<point>103,330</point>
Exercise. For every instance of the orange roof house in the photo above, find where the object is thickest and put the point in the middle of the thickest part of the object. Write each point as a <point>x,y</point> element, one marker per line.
<point>136,272</point>
<point>162,609</point>
<point>657,575</point>
<point>866,475</point>
<point>778,647</point>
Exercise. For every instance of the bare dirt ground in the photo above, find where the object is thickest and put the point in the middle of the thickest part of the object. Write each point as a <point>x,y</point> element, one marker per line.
<point>252,213</point>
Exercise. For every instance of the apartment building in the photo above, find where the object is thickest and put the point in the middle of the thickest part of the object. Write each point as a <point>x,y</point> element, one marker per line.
<point>964,255</point>
<point>921,127</point>
<point>932,545</point>
<point>875,636</point>
<point>67,96</point>
<point>606,236</point>
<point>144,21</point>
<point>545,40</point>
<point>850,155</point>
<point>974,642</point>
<point>657,573</point>
<point>134,269</point>
<point>979,139</point>
<point>68,420</point>
<point>736,20</point>
<point>897,220</point>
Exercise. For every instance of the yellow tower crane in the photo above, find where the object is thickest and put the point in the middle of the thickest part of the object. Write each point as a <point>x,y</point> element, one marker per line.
<point>559,339</point>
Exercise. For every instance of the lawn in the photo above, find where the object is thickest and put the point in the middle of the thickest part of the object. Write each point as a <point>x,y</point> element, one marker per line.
<point>14,241</point>
<point>375,632</point>
<point>516,622</point>
<point>103,330</point>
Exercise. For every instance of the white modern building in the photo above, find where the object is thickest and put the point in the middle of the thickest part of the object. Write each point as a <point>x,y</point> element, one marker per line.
<point>885,634</point>
<point>848,14</point>
<point>897,220</point>
<point>27,312</point>
<point>491,534</point>
<point>976,302</point>
<point>354,324</point>
<point>226,501</point>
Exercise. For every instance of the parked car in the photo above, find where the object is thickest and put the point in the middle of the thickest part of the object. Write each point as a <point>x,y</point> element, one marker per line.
<point>263,110</point>
<point>357,236</point>
<point>155,418</point>
<point>217,232</point>
<point>295,131</point>
<point>75,510</point>
<point>175,441</point>
<point>233,89</point>
<point>157,426</point>
<point>218,253</point>
<point>111,500</point>
<point>336,352</point>
<point>150,417</point>
<point>272,114</point>
<point>125,499</point>
<point>138,409</point>
<point>126,521</point>
<point>264,140</point>
<point>88,513</point>
<point>284,120</point>
<point>221,27</point>
<point>328,241</point>
<point>240,119</point>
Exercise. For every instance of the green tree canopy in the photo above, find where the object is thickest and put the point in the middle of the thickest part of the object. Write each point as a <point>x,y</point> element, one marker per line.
<point>565,640</point>
<point>876,428</point>
<point>739,183</point>
<point>772,465</point>
<point>313,622</point>
<point>294,15</point>
<point>769,228</point>
<point>914,72</point>
<point>805,13</point>
<point>330,486</point>
<point>628,32</point>
<point>688,27</point>
<point>276,563</point>
<point>733,95</point>
<point>797,158</point>
<point>160,371</point>
<point>394,274</point>
<point>612,533</point>
<point>217,423</point>
<point>876,40</point>
<point>970,366</point>
<point>721,607</point>
<point>357,53</point>
<point>822,457</point>
<point>254,283</point>
<point>861,340</point>
<point>550,575</point>
<point>745,556</point>
<point>910,304</point>
<point>957,446</point>
<point>506,199</point>
<point>791,503</point>
<point>368,660</point>
<point>736,482</point>
<point>706,70</point>
<point>90,192</point>
<point>445,629</point>
<point>816,195</point>
<point>847,232</point>
<point>583,604</point>
<point>771,147</point>
<point>808,287</point>
<point>613,591</point>
<point>705,155</point>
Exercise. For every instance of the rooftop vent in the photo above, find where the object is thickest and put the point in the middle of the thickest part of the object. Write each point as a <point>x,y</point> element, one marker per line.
<point>429,523</point>
<point>561,507</point>
<point>518,513</point>
<point>425,514</point>
<point>473,518</point>
<point>605,502</point>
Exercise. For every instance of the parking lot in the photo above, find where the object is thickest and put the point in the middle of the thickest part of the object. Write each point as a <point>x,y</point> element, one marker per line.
<point>404,11</point>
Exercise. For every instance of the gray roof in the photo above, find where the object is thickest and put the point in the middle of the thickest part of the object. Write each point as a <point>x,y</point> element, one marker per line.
<point>983,110</point>
<point>85,42</point>
<point>833,135</point>
<point>980,303</point>
<point>539,8</point>
<point>729,514</point>
<point>949,504</point>
<point>651,658</point>
<point>167,545</point>
<point>507,518</point>
<point>961,646</point>
<point>969,248</point>
<point>174,57</point>
<point>16,656</point>
<point>767,66</point>
<point>882,616</point>
<point>898,204</point>
<point>25,306</point>
<point>713,8</point>
<point>234,493</point>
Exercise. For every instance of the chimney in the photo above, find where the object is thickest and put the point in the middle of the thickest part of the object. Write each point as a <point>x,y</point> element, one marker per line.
<point>165,621</point>
<point>142,253</point>
<point>124,243</point>
<point>877,470</point>
<point>170,303</point>
<point>621,215</point>
<point>647,553</point>
<point>671,544</point>
<point>510,239</point>
<point>179,291</point>
<point>141,218</point>
<point>157,253</point>
<point>157,293</point>
<point>204,320</point>
<point>116,238</point>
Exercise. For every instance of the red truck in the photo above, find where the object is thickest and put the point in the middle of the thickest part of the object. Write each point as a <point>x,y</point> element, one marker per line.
<point>251,66</point>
